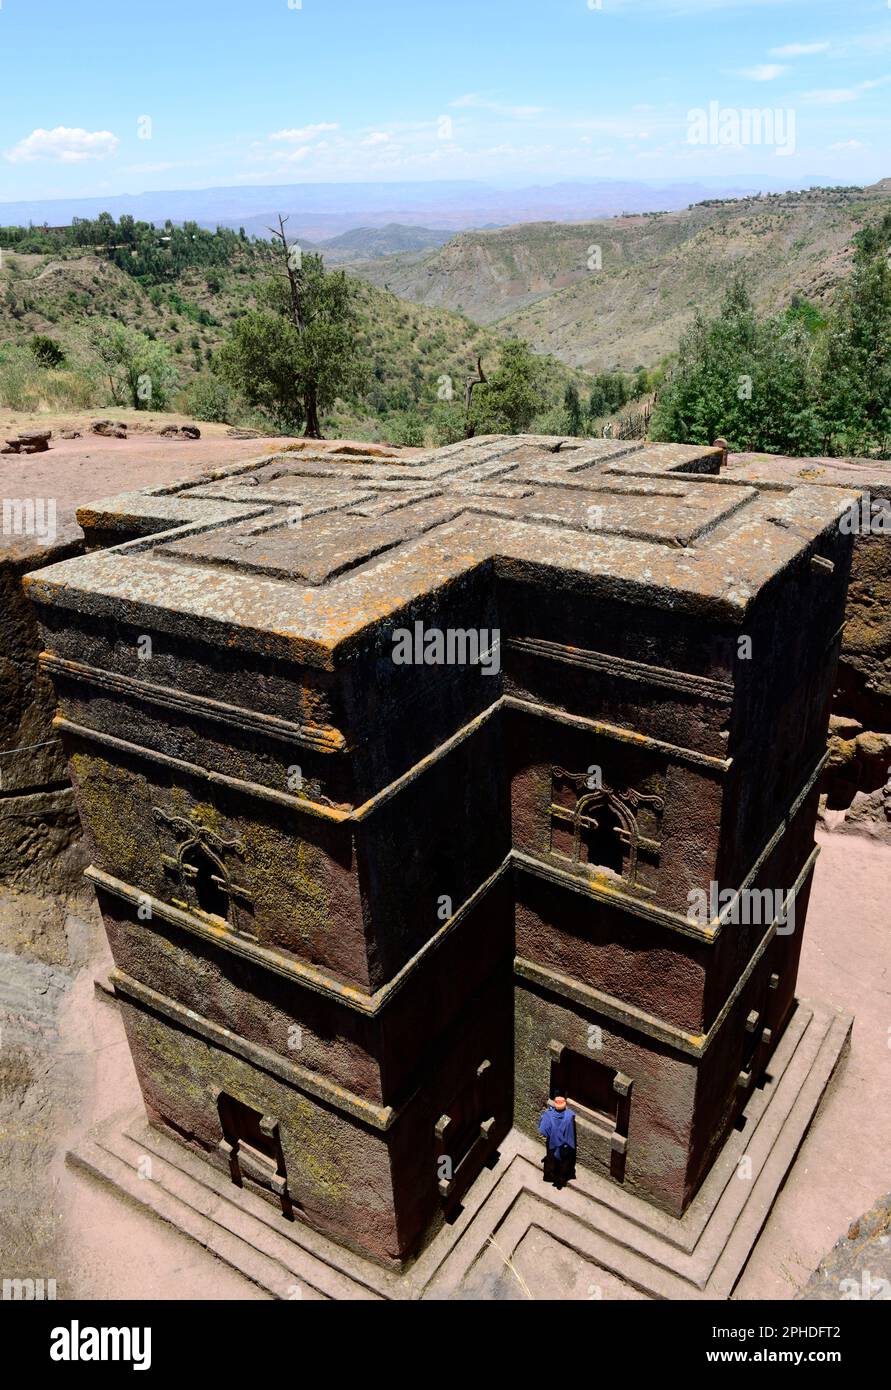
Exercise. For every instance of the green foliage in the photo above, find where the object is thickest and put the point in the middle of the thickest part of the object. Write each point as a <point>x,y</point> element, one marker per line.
<point>747,380</point>
<point>276,364</point>
<point>609,392</point>
<point>26,386</point>
<point>641,384</point>
<point>46,351</point>
<point>802,382</point>
<point>808,314</point>
<point>448,423</point>
<point>139,372</point>
<point>855,378</point>
<point>148,253</point>
<point>406,429</point>
<point>178,293</point>
<point>260,358</point>
<point>209,398</point>
<point>573,407</point>
<point>553,420</point>
<point>513,394</point>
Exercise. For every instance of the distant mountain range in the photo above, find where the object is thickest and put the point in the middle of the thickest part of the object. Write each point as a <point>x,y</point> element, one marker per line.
<point>371,243</point>
<point>628,304</point>
<point>595,293</point>
<point>320,211</point>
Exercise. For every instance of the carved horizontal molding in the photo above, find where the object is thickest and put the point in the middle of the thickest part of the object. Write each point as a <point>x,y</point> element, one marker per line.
<point>371,1005</point>
<point>580,883</point>
<point>694,1044</point>
<point>202,774</point>
<point>322,739</point>
<point>380,1117</point>
<point>281,963</point>
<point>618,733</point>
<point>609,1007</point>
<point>624,669</point>
<point>356,814</point>
<point>266,958</point>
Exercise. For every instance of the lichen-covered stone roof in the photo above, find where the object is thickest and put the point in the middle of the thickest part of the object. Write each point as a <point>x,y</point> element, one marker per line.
<point>311,548</point>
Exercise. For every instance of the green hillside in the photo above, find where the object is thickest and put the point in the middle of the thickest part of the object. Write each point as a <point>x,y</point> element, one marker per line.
<point>190,308</point>
<point>540,281</point>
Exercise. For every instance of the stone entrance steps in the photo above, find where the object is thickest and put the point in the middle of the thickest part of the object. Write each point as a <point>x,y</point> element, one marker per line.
<point>598,1223</point>
<point>700,1255</point>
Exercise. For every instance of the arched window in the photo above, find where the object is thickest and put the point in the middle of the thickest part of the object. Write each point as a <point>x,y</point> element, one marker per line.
<point>602,835</point>
<point>209,881</point>
<point>202,881</point>
<point>598,829</point>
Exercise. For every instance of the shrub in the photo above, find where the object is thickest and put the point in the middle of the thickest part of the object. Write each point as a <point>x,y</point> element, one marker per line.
<point>46,351</point>
<point>209,398</point>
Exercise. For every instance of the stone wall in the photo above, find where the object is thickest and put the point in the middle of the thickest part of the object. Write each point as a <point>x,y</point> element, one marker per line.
<point>857,783</point>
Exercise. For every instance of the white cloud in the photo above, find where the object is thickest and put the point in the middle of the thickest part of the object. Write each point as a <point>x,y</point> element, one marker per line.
<point>831,96</point>
<point>836,96</point>
<point>301,134</point>
<point>377,137</point>
<point>473,99</point>
<point>160,167</point>
<point>66,144</point>
<point>848,145</point>
<point>798,50</point>
<point>762,72</point>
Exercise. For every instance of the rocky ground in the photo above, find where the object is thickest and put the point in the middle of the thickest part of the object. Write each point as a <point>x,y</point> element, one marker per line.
<point>859,1265</point>
<point>82,469</point>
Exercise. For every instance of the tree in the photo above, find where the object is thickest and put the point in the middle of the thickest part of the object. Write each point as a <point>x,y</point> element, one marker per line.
<point>259,359</point>
<point>507,401</point>
<point>597,406</point>
<point>139,372</point>
<point>470,385</point>
<point>406,429</point>
<point>609,392</point>
<point>298,352</point>
<point>855,376</point>
<point>46,351</point>
<point>751,382</point>
<point>208,398</point>
<point>573,407</point>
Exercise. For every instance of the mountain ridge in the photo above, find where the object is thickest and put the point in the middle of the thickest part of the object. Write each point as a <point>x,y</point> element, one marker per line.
<point>619,292</point>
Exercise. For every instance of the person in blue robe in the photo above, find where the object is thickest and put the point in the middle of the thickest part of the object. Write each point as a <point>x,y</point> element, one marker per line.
<point>557,1125</point>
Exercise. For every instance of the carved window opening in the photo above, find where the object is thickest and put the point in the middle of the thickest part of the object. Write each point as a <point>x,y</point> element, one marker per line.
<point>210,883</point>
<point>202,880</point>
<point>601,836</point>
<point>251,1145</point>
<point>601,1099</point>
<point>606,831</point>
<point>588,1087</point>
<point>463,1133</point>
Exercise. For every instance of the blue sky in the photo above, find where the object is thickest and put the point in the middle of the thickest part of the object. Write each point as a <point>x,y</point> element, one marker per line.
<point>115,96</point>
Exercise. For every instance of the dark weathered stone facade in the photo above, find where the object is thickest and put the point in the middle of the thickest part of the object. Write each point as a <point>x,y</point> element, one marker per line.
<point>365,914</point>
<point>857,782</point>
<point>40,850</point>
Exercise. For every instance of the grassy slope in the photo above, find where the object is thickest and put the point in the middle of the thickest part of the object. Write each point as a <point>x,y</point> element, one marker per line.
<point>534,280</point>
<point>63,296</point>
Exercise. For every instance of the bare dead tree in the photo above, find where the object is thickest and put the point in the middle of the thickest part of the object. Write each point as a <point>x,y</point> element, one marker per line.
<point>472,381</point>
<point>294,273</point>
